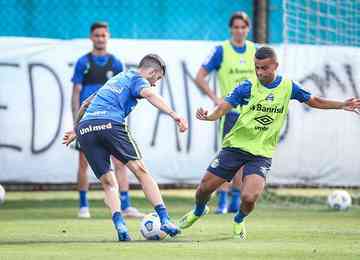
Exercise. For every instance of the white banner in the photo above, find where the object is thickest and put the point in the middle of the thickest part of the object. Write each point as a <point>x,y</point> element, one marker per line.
<point>317,147</point>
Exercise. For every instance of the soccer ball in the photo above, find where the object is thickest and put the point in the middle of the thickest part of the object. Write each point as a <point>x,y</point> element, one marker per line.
<point>339,199</point>
<point>150,227</point>
<point>2,194</point>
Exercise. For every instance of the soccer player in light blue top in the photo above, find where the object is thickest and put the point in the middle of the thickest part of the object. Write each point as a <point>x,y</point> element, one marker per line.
<point>91,72</point>
<point>102,132</point>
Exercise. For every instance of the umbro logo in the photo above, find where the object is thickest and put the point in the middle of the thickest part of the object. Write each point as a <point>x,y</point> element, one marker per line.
<point>264,120</point>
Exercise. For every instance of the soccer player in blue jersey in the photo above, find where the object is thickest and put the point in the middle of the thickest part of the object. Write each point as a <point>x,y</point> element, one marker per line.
<point>91,72</point>
<point>252,141</point>
<point>233,60</point>
<point>102,132</point>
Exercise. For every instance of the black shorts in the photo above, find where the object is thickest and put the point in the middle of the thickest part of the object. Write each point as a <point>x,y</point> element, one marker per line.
<point>229,160</point>
<point>101,138</point>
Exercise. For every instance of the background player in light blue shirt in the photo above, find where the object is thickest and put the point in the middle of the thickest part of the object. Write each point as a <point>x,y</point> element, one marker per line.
<point>91,72</point>
<point>102,132</point>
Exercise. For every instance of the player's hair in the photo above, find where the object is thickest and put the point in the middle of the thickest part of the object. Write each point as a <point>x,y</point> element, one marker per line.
<point>153,61</point>
<point>239,15</point>
<point>265,52</point>
<point>97,25</point>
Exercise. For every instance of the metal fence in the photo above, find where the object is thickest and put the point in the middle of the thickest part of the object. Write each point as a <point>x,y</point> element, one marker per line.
<point>147,19</point>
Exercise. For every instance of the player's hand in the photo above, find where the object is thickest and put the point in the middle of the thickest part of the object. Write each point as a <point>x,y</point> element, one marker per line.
<point>201,114</point>
<point>352,104</point>
<point>182,123</point>
<point>218,101</point>
<point>69,137</point>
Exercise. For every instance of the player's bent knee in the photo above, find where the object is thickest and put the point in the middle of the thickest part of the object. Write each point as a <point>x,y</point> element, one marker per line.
<point>249,198</point>
<point>108,179</point>
<point>205,187</point>
<point>137,167</point>
<point>201,189</point>
<point>110,186</point>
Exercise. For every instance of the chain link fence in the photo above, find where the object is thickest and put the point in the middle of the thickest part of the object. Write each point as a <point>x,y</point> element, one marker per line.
<point>322,22</point>
<point>147,19</point>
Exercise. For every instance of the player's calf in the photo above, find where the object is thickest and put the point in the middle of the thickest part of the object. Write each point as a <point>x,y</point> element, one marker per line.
<point>248,201</point>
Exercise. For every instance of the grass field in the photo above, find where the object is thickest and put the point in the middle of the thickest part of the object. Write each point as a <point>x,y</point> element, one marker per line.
<point>42,225</point>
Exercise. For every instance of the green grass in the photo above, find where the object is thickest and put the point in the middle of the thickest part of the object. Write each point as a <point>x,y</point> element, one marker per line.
<point>42,225</point>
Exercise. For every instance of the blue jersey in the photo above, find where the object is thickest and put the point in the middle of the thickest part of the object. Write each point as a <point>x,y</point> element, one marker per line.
<point>241,94</point>
<point>214,60</point>
<point>81,67</point>
<point>117,98</point>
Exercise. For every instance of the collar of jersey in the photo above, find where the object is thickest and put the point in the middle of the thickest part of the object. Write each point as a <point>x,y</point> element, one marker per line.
<point>275,82</point>
<point>238,49</point>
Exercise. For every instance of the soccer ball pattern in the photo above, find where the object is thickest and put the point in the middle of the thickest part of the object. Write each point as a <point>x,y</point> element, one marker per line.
<point>150,227</point>
<point>339,200</point>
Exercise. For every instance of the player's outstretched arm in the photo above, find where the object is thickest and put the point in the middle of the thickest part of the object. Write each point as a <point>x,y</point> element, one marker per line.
<point>351,104</point>
<point>160,103</point>
<point>218,112</point>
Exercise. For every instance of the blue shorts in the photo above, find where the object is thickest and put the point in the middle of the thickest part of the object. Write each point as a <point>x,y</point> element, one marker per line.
<point>229,160</point>
<point>101,138</point>
<point>229,121</point>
